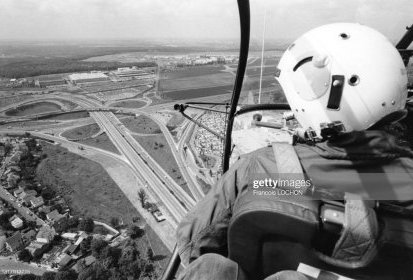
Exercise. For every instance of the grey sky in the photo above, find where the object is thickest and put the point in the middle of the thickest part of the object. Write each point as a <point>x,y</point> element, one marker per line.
<point>114,19</point>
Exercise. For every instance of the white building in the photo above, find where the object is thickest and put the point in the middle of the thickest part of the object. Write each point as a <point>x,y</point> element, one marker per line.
<point>87,77</point>
<point>16,222</point>
<point>69,235</point>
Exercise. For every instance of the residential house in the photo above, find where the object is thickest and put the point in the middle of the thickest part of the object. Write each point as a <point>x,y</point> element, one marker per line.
<point>72,249</point>
<point>15,242</point>
<point>12,180</point>
<point>17,192</point>
<point>54,216</point>
<point>65,259</point>
<point>36,247</point>
<point>28,193</point>
<point>46,234</point>
<point>45,209</point>
<point>37,201</point>
<point>29,236</point>
<point>22,148</point>
<point>69,235</point>
<point>15,159</point>
<point>26,200</point>
<point>82,235</point>
<point>89,260</point>
<point>16,222</point>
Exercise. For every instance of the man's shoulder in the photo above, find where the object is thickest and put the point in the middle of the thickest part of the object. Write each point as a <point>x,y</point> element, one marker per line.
<point>265,152</point>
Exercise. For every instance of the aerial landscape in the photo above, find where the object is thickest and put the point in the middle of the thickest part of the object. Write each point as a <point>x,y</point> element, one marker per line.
<point>98,166</point>
<point>92,149</point>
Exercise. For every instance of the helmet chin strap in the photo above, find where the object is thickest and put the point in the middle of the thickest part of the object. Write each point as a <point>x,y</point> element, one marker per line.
<point>331,130</point>
<point>328,131</point>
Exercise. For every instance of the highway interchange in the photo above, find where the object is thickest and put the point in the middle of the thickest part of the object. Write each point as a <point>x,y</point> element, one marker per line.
<point>173,200</point>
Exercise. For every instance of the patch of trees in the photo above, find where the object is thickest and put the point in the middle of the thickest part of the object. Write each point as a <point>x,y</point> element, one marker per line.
<point>87,225</point>
<point>39,66</point>
<point>24,255</point>
<point>4,221</point>
<point>135,231</point>
<point>118,263</point>
<point>86,245</point>
<point>27,277</point>
<point>7,148</point>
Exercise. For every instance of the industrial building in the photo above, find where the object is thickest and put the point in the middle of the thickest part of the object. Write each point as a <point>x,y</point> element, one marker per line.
<point>48,83</point>
<point>133,72</point>
<point>93,76</point>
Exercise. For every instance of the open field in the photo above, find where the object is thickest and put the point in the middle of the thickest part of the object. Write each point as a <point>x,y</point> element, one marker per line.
<point>141,124</point>
<point>198,92</point>
<point>102,142</point>
<point>269,59</point>
<point>68,116</point>
<point>111,86</point>
<point>191,71</point>
<point>6,100</point>
<point>129,104</point>
<point>175,121</point>
<point>29,60</point>
<point>159,150</point>
<point>256,71</point>
<point>205,81</point>
<point>87,186</point>
<point>34,108</point>
<point>28,124</point>
<point>205,186</point>
<point>82,132</point>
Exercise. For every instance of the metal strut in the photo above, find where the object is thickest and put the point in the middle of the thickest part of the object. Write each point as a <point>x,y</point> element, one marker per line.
<point>181,108</point>
<point>404,43</point>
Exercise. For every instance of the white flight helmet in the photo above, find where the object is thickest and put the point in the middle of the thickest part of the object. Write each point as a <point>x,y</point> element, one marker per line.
<point>343,72</point>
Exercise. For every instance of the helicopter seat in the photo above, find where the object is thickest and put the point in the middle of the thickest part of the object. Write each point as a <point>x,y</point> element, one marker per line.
<point>272,233</point>
<point>268,234</point>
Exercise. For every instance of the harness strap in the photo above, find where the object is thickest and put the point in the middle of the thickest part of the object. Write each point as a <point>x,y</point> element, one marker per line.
<point>287,160</point>
<point>356,246</point>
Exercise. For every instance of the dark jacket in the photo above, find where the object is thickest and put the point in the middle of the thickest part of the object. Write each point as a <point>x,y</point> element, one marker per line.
<point>338,165</point>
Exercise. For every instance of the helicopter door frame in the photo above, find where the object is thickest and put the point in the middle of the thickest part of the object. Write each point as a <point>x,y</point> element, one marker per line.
<point>245,24</point>
<point>244,15</point>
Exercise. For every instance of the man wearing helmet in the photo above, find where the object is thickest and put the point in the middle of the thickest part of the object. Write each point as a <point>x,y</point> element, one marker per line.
<point>343,83</point>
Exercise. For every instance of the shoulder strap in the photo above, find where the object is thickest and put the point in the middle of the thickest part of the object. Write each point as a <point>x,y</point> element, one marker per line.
<point>357,244</point>
<point>287,160</point>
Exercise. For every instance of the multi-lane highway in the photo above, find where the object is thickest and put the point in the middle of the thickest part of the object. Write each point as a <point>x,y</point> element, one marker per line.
<point>193,185</point>
<point>176,202</point>
<point>173,196</point>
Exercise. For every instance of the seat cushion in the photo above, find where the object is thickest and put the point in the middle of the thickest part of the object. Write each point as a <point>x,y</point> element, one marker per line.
<point>258,218</point>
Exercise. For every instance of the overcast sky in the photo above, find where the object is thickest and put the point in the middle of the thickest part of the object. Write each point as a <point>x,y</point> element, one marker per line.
<point>118,19</point>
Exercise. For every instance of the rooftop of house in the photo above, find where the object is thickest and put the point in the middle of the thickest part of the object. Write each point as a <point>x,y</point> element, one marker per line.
<point>14,241</point>
<point>54,216</point>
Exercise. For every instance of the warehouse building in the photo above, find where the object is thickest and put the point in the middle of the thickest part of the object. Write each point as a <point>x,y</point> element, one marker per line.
<point>93,76</point>
<point>133,72</point>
